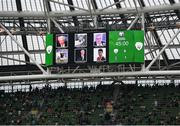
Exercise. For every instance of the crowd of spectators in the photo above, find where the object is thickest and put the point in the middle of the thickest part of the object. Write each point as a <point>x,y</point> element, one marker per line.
<point>103,104</point>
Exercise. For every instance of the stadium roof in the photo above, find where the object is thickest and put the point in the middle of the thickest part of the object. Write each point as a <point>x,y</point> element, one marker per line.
<point>29,20</point>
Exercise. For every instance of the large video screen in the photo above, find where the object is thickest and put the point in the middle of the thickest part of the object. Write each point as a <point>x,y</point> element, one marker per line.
<point>95,48</point>
<point>126,46</point>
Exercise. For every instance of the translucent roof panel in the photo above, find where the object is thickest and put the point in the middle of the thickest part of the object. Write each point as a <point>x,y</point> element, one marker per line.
<point>32,5</point>
<point>149,55</point>
<point>175,53</point>
<point>82,4</point>
<point>39,57</point>
<point>7,44</point>
<point>169,54</point>
<point>165,36</point>
<point>156,2</point>
<point>104,3</point>
<point>58,7</point>
<point>129,3</point>
<point>149,39</point>
<point>12,59</point>
<point>8,5</point>
<point>177,1</point>
<point>36,42</point>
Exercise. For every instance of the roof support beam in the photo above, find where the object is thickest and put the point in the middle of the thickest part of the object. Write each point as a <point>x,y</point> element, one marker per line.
<point>159,43</point>
<point>133,22</point>
<point>121,15</point>
<point>25,51</point>
<point>57,25</point>
<point>46,13</point>
<point>162,50</point>
<point>96,18</point>
<point>155,34</point>
<point>75,20</point>
<point>21,23</point>
<point>89,75</point>
<point>83,13</point>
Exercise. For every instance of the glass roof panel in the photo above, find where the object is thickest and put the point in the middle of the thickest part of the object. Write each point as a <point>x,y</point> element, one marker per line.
<point>156,2</point>
<point>12,59</point>
<point>169,54</point>
<point>81,4</point>
<point>39,57</point>
<point>35,42</point>
<point>58,7</point>
<point>175,53</point>
<point>178,49</point>
<point>130,3</point>
<point>7,44</point>
<point>150,39</point>
<point>148,55</point>
<point>32,5</point>
<point>177,1</point>
<point>8,5</point>
<point>165,36</point>
<point>104,3</point>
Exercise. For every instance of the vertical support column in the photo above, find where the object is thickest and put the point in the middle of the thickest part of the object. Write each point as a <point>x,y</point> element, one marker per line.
<point>48,25</point>
<point>21,23</point>
<point>143,28</point>
<point>95,22</point>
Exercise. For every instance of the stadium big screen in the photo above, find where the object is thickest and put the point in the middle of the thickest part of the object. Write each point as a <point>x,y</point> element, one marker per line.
<point>95,48</point>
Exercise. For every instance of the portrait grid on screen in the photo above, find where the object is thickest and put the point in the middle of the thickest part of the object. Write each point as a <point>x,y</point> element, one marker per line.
<point>61,55</point>
<point>62,40</point>
<point>99,54</point>
<point>80,40</point>
<point>80,55</point>
<point>99,39</point>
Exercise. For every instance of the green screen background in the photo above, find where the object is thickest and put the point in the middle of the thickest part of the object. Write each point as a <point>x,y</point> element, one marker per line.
<point>125,44</point>
<point>49,56</point>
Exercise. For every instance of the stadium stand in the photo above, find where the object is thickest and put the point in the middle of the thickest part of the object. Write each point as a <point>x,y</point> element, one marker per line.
<point>101,105</point>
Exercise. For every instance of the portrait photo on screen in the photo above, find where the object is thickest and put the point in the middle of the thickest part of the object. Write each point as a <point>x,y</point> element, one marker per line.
<point>99,39</point>
<point>61,56</point>
<point>80,55</point>
<point>62,40</point>
<point>99,54</point>
<point>80,40</point>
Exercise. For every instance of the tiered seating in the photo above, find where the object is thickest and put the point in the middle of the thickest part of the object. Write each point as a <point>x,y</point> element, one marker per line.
<point>133,105</point>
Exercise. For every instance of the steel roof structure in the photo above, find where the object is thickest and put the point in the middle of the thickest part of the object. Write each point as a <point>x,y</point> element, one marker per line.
<point>24,23</point>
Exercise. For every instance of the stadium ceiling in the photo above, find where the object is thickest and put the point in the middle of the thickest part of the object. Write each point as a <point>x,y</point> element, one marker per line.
<point>24,24</point>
